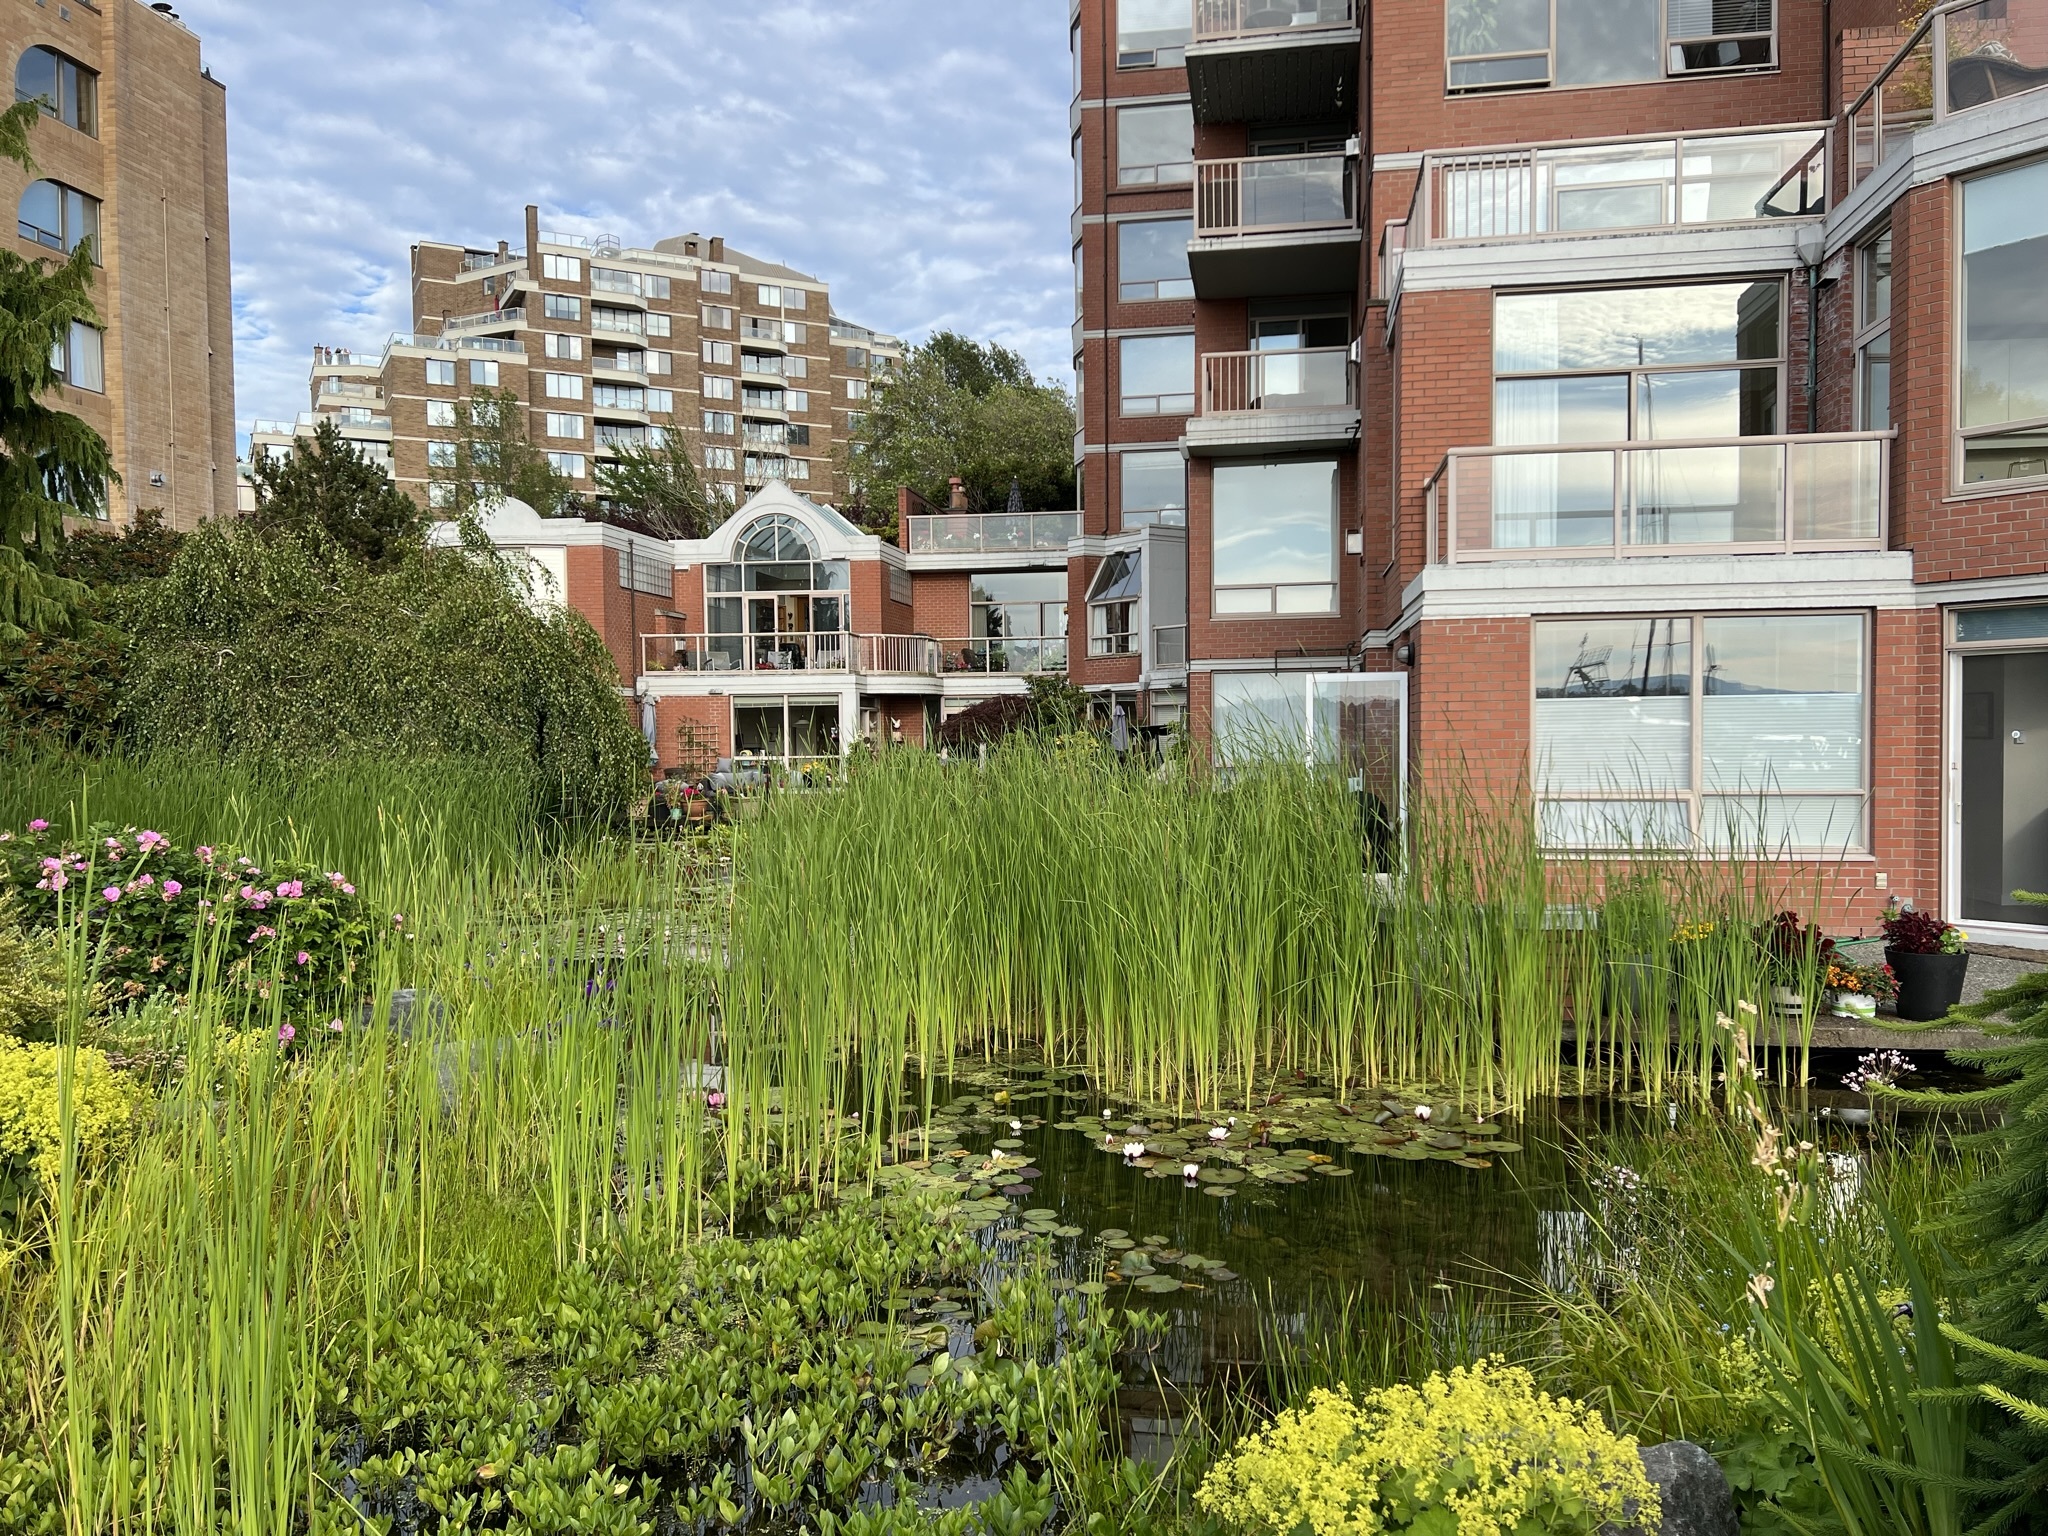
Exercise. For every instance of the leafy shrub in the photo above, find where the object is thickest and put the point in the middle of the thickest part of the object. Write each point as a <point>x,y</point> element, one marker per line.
<point>60,691</point>
<point>146,905</point>
<point>103,1110</point>
<point>1795,949</point>
<point>1918,933</point>
<point>31,976</point>
<point>1477,1452</point>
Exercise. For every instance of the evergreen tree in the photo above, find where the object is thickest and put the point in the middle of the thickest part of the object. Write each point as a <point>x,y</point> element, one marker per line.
<point>329,489</point>
<point>495,459</point>
<point>52,465</point>
<point>658,486</point>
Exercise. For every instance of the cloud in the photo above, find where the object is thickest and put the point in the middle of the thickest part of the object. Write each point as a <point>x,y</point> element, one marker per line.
<point>910,152</point>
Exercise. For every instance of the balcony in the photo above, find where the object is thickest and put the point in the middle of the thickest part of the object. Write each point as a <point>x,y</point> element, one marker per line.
<point>1576,188</point>
<point>1273,60</point>
<point>864,655</point>
<point>1994,50</point>
<point>1273,226</point>
<point>1719,496</point>
<point>1003,655</point>
<point>485,320</point>
<point>972,533</point>
<point>1291,401</point>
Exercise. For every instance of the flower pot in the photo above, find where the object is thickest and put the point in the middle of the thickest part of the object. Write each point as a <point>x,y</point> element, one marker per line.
<point>1854,1005</point>
<point>1929,985</point>
<point>1787,1001</point>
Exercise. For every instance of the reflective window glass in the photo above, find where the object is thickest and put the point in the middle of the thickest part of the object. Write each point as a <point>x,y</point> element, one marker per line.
<point>1636,327</point>
<point>1155,144</point>
<point>1158,374</point>
<point>2005,322</point>
<point>1274,532</point>
<point>1154,32</point>
<point>1155,488</point>
<point>1152,260</point>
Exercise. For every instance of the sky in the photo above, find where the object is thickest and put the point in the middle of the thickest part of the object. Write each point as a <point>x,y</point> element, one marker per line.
<point>912,153</point>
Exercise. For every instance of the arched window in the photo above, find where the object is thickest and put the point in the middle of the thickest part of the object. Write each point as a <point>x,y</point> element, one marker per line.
<point>68,90</point>
<point>777,537</point>
<point>58,216</point>
<point>760,607</point>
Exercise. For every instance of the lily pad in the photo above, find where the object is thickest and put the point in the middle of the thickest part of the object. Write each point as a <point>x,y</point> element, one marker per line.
<point>1157,1285</point>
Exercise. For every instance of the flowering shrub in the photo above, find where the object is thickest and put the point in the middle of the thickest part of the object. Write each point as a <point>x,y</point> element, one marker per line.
<point>145,902</point>
<point>1875,981</point>
<point>1477,1452</point>
<point>103,1109</point>
<point>1921,933</point>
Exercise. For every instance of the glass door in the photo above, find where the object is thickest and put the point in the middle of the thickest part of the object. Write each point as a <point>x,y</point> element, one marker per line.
<point>2004,785</point>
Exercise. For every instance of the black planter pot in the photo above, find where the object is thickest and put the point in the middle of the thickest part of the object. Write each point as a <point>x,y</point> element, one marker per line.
<point>1929,985</point>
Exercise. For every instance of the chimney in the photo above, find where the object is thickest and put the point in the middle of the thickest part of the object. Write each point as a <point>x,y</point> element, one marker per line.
<point>956,494</point>
<point>718,247</point>
<point>533,237</point>
<point>504,249</point>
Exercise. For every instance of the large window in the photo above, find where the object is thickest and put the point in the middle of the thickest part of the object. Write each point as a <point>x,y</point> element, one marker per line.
<point>60,217</point>
<point>1152,260</point>
<point>1155,145</point>
<point>1155,487</point>
<point>80,358</point>
<point>1158,374</point>
<point>1874,334</point>
<point>1275,538</point>
<point>1023,604</point>
<point>1510,44</point>
<point>1745,732</point>
<point>786,730</point>
<point>1152,34</point>
<point>778,588</point>
<point>1113,605</point>
<point>2003,410</point>
<point>68,90</point>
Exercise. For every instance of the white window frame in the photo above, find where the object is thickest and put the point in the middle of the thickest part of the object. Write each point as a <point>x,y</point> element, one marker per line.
<point>561,269</point>
<point>441,373</point>
<point>565,386</point>
<point>564,426</point>
<point>441,413</point>
<point>564,346</point>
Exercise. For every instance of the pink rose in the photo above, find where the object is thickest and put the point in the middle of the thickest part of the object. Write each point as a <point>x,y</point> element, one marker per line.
<point>302,957</point>
<point>286,1034</point>
<point>171,888</point>
<point>112,893</point>
<point>204,855</point>
<point>39,825</point>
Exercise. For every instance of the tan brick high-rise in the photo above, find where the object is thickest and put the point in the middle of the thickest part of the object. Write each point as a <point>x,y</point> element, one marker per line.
<point>133,154</point>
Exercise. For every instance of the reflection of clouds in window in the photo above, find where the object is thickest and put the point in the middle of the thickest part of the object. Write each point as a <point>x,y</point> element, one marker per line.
<point>2005,297</point>
<point>1274,522</point>
<point>1635,327</point>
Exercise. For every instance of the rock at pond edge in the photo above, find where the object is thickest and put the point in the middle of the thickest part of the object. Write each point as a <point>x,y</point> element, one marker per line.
<point>1691,1488</point>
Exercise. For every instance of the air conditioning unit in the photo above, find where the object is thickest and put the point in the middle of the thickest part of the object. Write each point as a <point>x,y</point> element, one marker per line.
<point>1704,36</point>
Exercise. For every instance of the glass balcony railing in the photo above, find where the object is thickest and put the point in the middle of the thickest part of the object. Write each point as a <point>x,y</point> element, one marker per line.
<point>1749,495</point>
<point>1219,21</point>
<point>1004,655</point>
<point>1529,191</point>
<point>1311,379</point>
<point>1274,194</point>
<point>976,533</point>
<point>911,655</point>
<point>1963,55</point>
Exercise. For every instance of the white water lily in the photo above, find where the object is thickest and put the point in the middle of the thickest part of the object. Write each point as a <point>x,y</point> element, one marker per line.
<point>1219,1133</point>
<point>1016,1125</point>
<point>996,1156</point>
<point>1134,1149</point>
<point>1189,1170</point>
<point>1422,1111</point>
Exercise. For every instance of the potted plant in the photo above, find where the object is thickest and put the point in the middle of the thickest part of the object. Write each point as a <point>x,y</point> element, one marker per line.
<point>1855,990</point>
<point>1794,952</point>
<point>1930,957</point>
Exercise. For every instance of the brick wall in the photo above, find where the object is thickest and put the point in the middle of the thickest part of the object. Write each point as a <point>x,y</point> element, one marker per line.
<point>1443,363</point>
<point>941,604</point>
<point>712,719</point>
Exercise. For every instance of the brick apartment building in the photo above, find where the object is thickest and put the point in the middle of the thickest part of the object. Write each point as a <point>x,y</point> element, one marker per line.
<point>607,346</point>
<point>132,151</point>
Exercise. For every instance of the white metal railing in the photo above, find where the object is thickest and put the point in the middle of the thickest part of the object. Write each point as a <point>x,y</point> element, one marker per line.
<point>905,655</point>
<point>1988,50</point>
<point>458,343</point>
<point>1169,645</point>
<point>483,319</point>
<point>1734,495</point>
<point>1275,193</point>
<point>1304,379</point>
<point>1221,20</point>
<point>980,533</point>
<point>1004,655</point>
<point>1575,187</point>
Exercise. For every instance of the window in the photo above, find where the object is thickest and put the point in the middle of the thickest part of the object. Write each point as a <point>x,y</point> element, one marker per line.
<point>1017,620</point>
<point>561,269</point>
<point>762,399</point>
<point>856,389</point>
<point>799,435</point>
<point>769,295</point>
<point>619,397</point>
<point>1738,731</point>
<point>771,432</point>
<point>565,386</point>
<point>483,373</point>
<point>441,455</point>
<point>440,493</point>
<point>570,464</point>
<point>718,423</point>
<point>68,90</point>
<point>80,358</point>
<point>440,413</point>
<point>857,359</point>
<point>657,287</point>
<point>796,367</point>
<point>1155,145</point>
<point>1508,44</point>
<point>561,306</point>
<point>719,458</point>
<point>661,401</point>
<point>612,434</point>
<point>717,317</point>
<point>1274,532</point>
<point>441,370</point>
<point>565,426</point>
<point>1080,178</point>
<point>1152,260</point>
<point>719,352</point>
<point>658,325</point>
<point>626,321</point>
<point>799,469</point>
<point>796,401</point>
<point>567,348</point>
<point>1152,34</point>
<point>2002,411</point>
<point>716,388</point>
<point>613,280</point>
<point>1158,374</point>
<point>1074,48</point>
<point>661,362</point>
<point>1113,606</point>
<point>714,282</point>
<point>1155,488</point>
<point>855,420</point>
<point>1874,334</point>
<point>60,217</point>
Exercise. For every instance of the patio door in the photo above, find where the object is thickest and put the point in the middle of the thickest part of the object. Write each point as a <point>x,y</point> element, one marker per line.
<point>2003,785</point>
